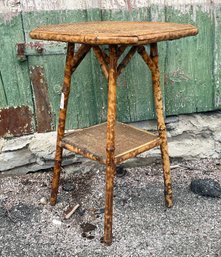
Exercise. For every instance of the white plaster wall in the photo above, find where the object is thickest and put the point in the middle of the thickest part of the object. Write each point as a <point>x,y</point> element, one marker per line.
<point>31,5</point>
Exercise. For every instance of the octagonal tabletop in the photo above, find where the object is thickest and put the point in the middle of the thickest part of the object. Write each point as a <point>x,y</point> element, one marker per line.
<point>114,32</point>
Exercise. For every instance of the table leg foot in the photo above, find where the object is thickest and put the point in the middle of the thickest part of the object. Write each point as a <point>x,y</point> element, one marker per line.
<point>166,175</point>
<point>108,215</point>
<point>55,182</point>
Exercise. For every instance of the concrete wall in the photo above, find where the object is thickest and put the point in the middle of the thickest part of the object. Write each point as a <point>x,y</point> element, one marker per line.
<point>190,136</point>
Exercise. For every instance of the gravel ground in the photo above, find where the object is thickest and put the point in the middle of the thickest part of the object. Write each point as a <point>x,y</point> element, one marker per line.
<point>142,224</point>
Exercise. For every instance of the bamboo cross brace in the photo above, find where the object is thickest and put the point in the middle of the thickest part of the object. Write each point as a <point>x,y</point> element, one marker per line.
<point>79,56</point>
<point>101,59</point>
<point>147,59</point>
<point>126,60</point>
<point>106,57</point>
<point>121,50</point>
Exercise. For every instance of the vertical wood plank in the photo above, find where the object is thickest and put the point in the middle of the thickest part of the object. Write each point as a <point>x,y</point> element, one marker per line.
<point>189,63</point>
<point>14,75</point>
<point>191,72</point>
<point>42,104</point>
<point>82,108</point>
<point>134,97</point>
<point>157,12</point>
<point>98,80</point>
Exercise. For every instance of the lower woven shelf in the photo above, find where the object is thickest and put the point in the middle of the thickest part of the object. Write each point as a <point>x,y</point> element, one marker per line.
<point>91,142</point>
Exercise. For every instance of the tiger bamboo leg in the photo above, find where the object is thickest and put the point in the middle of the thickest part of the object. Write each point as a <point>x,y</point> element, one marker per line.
<point>110,145</point>
<point>61,123</point>
<point>161,125</point>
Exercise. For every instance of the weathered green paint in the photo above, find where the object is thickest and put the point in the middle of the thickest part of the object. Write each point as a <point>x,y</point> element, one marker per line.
<point>158,14</point>
<point>41,48</point>
<point>190,67</point>
<point>134,92</point>
<point>97,77</point>
<point>14,76</point>
<point>82,107</point>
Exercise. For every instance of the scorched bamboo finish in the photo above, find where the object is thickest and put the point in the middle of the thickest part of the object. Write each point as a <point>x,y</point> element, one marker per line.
<point>110,145</point>
<point>119,36</point>
<point>62,116</point>
<point>161,125</point>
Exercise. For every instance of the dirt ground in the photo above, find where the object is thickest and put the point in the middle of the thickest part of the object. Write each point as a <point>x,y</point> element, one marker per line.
<point>143,226</point>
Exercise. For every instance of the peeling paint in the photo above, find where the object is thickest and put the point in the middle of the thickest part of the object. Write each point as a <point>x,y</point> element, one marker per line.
<point>15,6</point>
<point>197,87</point>
<point>11,8</point>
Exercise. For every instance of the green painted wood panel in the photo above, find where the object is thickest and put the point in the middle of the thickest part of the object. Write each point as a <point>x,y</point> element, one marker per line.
<point>158,14</point>
<point>82,109</point>
<point>189,65</point>
<point>134,92</point>
<point>15,87</point>
<point>97,77</point>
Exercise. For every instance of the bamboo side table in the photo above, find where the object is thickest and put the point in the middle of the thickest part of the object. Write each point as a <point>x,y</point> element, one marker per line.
<point>108,143</point>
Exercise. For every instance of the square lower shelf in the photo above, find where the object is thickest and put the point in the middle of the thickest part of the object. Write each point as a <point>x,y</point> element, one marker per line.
<point>91,142</point>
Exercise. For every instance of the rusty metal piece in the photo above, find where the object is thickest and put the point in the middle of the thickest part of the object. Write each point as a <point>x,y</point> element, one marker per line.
<point>15,121</point>
<point>39,49</point>
<point>110,145</point>
<point>161,125</point>
<point>20,49</point>
<point>101,59</point>
<point>43,112</point>
<point>126,60</point>
<point>62,117</point>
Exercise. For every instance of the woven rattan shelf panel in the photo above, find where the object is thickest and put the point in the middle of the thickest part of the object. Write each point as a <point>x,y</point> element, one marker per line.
<point>114,32</point>
<point>91,142</point>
